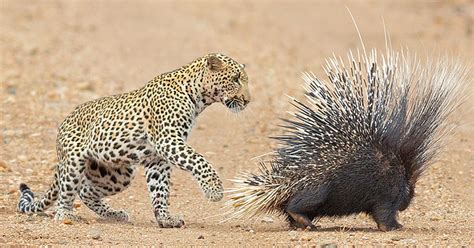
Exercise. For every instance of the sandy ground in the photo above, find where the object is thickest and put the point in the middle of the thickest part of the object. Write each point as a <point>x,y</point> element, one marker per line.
<point>55,55</point>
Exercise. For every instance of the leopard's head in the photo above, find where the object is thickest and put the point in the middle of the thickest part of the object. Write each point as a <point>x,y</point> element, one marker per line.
<point>226,81</point>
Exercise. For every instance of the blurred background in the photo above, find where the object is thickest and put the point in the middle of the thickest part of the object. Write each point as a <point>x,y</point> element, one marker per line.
<point>55,55</point>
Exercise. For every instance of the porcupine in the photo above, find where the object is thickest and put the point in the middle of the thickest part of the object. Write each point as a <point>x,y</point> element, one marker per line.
<point>360,145</point>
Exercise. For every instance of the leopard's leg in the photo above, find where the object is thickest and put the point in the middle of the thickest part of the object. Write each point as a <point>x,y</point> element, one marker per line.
<point>157,175</point>
<point>177,152</point>
<point>100,182</point>
<point>71,172</point>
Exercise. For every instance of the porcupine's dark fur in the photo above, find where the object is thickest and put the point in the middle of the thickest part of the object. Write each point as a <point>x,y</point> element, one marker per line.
<point>359,145</point>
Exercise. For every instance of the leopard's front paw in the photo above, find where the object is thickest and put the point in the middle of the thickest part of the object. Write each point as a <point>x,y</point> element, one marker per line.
<point>66,215</point>
<point>118,215</point>
<point>213,189</point>
<point>169,221</point>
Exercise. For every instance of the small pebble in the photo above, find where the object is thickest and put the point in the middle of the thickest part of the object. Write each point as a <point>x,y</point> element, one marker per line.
<point>95,233</point>
<point>29,218</point>
<point>409,240</point>
<point>4,167</point>
<point>436,218</point>
<point>305,238</point>
<point>67,222</point>
<point>396,238</point>
<point>201,237</point>
<point>267,220</point>
<point>22,158</point>
<point>85,86</point>
<point>293,235</point>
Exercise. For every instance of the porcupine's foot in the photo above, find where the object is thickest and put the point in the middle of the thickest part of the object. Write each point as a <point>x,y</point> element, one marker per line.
<point>385,217</point>
<point>300,221</point>
<point>386,228</point>
<point>302,206</point>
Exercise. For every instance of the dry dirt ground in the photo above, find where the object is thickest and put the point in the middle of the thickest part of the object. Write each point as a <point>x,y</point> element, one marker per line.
<point>56,55</point>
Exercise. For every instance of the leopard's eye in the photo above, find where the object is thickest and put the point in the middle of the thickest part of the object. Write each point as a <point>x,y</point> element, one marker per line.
<point>237,78</point>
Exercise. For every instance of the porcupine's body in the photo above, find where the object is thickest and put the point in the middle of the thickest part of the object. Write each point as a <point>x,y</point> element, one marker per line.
<point>360,144</point>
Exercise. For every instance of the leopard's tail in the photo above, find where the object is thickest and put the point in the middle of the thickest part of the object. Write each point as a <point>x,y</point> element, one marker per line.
<point>28,203</point>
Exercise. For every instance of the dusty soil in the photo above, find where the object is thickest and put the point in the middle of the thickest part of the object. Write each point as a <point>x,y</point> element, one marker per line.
<point>55,55</point>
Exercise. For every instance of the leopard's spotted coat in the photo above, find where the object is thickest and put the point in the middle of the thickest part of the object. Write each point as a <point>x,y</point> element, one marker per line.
<point>101,142</point>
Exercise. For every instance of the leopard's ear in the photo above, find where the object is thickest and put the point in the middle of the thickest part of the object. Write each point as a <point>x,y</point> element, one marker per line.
<point>214,63</point>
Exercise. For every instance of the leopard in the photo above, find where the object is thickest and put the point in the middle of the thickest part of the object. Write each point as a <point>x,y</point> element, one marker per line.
<point>102,142</point>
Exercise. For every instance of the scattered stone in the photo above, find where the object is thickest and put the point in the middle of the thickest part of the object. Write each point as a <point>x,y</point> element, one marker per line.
<point>85,86</point>
<point>249,229</point>
<point>10,99</point>
<point>267,219</point>
<point>201,127</point>
<point>22,158</point>
<point>329,245</point>
<point>53,96</point>
<point>67,222</point>
<point>29,218</point>
<point>31,49</point>
<point>436,218</point>
<point>305,238</point>
<point>201,237</point>
<point>95,233</point>
<point>4,167</point>
<point>11,90</point>
<point>409,240</point>
<point>396,238</point>
<point>293,235</point>
<point>35,134</point>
